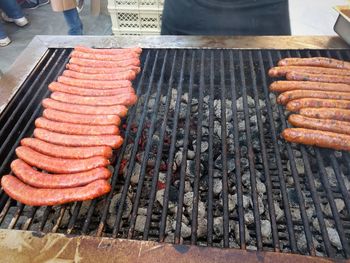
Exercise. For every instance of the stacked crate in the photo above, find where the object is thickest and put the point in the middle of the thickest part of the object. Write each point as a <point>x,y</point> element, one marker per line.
<point>136,17</point>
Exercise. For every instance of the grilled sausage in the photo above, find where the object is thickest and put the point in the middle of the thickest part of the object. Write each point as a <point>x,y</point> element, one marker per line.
<point>129,75</point>
<point>56,86</point>
<point>296,105</point>
<point>317,138</point>
<point>316,62</point>
<point>114,141</point>
<point>77,129</point>
<point>46,197</point>
<point>43,180</point>
<point>127,99</point>
<point>59,165</point>
<point>66,152</point>
<point>319,124</point>
<point>326,113</point>
<point>287,96</point>
<point>119,110</point>
<point>282,86</point>
<point>317,77</point>
<point>108,51</point>
<point>95,84</point>
<point>282,71</point>
<point>62,116</point>
<point>97,70</point>
<point>105,64</point>
<point>104,57</point>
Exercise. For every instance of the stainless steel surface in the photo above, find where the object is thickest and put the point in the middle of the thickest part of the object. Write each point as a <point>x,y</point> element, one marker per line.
<point>342,27</point>
<point>25,63</point>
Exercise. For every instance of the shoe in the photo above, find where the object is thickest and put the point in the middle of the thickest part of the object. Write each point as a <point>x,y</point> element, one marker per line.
<point>80,5</point>
<point>5,41</point>
<point>18,21</point>
<point>27,4</point>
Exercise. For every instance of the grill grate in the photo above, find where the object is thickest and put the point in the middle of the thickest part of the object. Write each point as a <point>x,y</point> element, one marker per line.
<point>202,161</point>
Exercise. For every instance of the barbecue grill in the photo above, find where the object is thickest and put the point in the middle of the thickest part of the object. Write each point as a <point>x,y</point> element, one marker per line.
<point>203,173</point>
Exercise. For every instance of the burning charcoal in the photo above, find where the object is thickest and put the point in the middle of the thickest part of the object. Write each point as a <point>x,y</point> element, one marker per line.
<point>140,223</point>
<point>188,199</point>
<point>217,186</point>
<point>297,153</point>
<point>250,101</point>
<point>115,202</point>
<point>252,248</point>
<point>142,211</point>
<point>151,103</point>
<point>241,125</point>
<point>185,230</point>
<point>231,165</point>
<point>217,173</point>
<point>206,99</point>
<point>293,197</point>
<point>246,179</point>
<point>188,187</point>
<point>331,176</point>
<point>295,214</point>
<point>217,109</point>
<point>244,163</point>
<point>191,154</point>
<point>218,226</point>
<point>183,110</point>
<point>279,212</point>
<point>162,177</point>
<point>334,238</point>
<point>260,187</point>
<point>204,146</point>
<point>194,108</point>
<point>262,104</point>
<point>244,150</point>
<point>191,169</point>
<point>246,233</point>
<point>232,202</point>
<point>178,158</point>
<point>217,129</point>
<point>135,175</point>
<point>261,205</point>
<point>249,218</point>
<point>179,143</point>
<point>205,131</point>
<point>266,229</point>
<point>339,203</point>
<point>301,242</point>
<point>272,97</point>
<point>202,227</point>
<point>184,97</point>
<point>110,221</point>
<point>299,164</point>
<point>201,210</point>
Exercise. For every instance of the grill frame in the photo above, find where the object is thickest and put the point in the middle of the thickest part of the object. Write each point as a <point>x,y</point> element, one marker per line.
<point>177,233</point>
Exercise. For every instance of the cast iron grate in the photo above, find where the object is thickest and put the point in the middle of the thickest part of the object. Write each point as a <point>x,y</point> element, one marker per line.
<point>202,162</point>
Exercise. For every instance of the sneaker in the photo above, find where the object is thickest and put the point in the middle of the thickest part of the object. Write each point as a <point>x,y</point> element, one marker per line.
<point>18,21</point>
<point>5,41</point>
<point>27,4</point>
<point>80,5</point>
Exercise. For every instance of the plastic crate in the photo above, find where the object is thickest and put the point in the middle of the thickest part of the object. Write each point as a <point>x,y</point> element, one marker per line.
<point>136,22</point>
<point>135,4</point>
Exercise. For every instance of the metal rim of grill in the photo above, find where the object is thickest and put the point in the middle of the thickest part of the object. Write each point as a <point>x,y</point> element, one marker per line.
<point>218,75</point>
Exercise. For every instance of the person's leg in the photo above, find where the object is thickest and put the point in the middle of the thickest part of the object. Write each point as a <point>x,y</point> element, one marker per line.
<point>11,8</point>
<point>4,39</point>
<point>73,21</point>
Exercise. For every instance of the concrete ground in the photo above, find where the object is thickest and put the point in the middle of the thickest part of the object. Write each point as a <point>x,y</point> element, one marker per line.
<point>311,17</point>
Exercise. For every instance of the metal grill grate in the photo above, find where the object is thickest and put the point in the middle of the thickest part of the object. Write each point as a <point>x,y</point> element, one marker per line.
<point>202,162</point>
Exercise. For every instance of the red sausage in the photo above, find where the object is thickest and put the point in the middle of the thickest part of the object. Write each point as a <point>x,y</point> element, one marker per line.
<point>102,70</point>
<point>282,71</point>
<point>296,105</point>
<point>46,197</point>
<point>106,51</point>
<point>105,64</point>
<point>59,165</point>
<point>78,129</point>
<point>119,110</point>
<point>282,86</point>
<point>129,75</point>
<point>316,62</point>
<point>66,152</point>
<point>95,84</point>
<point>56,86</point>
<point>287,96</point>
<point>43,180</point>
<point>317,77</point>
<point>127,99</point>
<point>114,141</point>
<point>326,113</point>
<point>118,57</point>
<point>61,116</point>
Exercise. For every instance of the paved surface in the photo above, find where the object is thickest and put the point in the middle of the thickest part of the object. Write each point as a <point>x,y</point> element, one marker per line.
<point>311,17</point>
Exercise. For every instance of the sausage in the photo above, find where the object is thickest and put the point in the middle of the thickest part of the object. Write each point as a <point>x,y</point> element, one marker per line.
<point>326,113</point>
<point>282,86</point>
<point>46,197</point>
<point>282,71</point>
<point>56,86</point>
<point>119,110</point>
<point>317,77</point>
<point>316,62</point>
<point>109,57</point>
<point>127,99</point>
<point>105,64</point>
<point>43,180</point>
<point>296,105</point>
<point>62,116</point>
<point>66,152</point>
<point>287,96</point>
<point>114,141</point>
<point>317,138</point>
<point>129,75</point>
<point>319,124</point>
<point>77,129</point>
<point>95,84</point>
<point>97,70</point>
<point>110,51</point>
<point>59,165</point>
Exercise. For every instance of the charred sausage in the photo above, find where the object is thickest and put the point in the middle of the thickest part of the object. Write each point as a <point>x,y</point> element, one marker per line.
<point>114,141</point>
<point>119,110</point>
<point>43,180</point>
<point>95,84</point>
<point>59,165</point>
<point>296,105</point>
<point>317,77</point>
<point>282,71</point>
<point>128,75</point>
<point>46,197</point>
<point>316,62</point>
<point>66,152</point>
<point>282,86</point>
<point>287,96</point>
<point>317,138</point>
<point>326,113</point>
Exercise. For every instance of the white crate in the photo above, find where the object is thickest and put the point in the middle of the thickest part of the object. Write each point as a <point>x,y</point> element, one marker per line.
<point>136,4</point>
<point>136,22</point>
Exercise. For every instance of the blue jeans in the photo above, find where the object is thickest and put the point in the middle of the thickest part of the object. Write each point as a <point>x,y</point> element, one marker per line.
<point>73,21</point>
<point>12,10</point>
<point>2,32</point>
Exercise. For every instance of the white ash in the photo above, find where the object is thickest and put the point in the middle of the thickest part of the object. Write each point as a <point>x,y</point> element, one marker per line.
<point>135,175</point>
<point>250,102</point>
<point>188,187</point>
<point>261,205</point>
<point>140,223</point>
<point>299,165</point>
<point>202,225</point>
<point>204,146</point>
<point>249,218</point>
<point>331,176</point>
<point>142,211</point>
<point>218,224</point>
<point>185,230</point>
<point>334,238</point>
<point>339,203</point>
<point>190,154</point>
<point>201,210</point>
<point>217,186</point>
<point>279,212</point>
<point>162,177</point>
<point>266,229</point>
<point>188,198</point>
<point>296,216</point>
<point>246,233</point>
<point>232,202</point>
